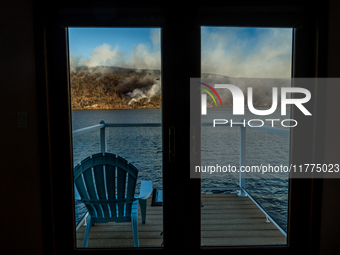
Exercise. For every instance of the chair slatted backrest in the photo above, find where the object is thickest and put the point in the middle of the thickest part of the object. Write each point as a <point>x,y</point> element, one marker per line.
<point>106,184</point>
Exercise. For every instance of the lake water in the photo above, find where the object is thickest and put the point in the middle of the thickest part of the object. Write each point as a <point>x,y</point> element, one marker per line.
<point>220,145</point>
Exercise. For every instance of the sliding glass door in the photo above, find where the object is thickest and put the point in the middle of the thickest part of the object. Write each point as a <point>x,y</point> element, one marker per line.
<point>156,88</point>
<point>115,84</point>
<point>244,137</point>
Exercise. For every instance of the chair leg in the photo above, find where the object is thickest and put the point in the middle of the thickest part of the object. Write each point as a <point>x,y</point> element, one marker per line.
<point>134,222</point>
<point>142,203</point>
<point>87,231</point>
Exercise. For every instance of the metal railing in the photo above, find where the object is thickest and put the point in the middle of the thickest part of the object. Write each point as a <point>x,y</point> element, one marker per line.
<point>242,181</point>
<point>243,126</point>
<point>243,192</point>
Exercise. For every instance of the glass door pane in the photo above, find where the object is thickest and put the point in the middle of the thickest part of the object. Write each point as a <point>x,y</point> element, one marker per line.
<point>244,135</point>
<point>115,86</point>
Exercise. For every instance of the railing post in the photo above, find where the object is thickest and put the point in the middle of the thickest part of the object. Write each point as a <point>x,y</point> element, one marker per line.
<point>102,138</point>
<point>242,180</point>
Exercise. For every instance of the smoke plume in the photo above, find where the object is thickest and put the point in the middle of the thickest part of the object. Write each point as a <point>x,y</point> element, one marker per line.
<point>237,52</point>
<point>262,89</point>
<point>144,93</point>
<point>226,52</point>
<point>141,56</point>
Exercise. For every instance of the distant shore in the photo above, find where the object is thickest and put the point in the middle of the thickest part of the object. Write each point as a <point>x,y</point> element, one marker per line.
<point>126,107</point>
<point>115,88</point>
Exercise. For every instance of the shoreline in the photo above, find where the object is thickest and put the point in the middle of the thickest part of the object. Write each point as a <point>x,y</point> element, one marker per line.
<point>114,108</point>
<point>157,107</point>
<point>98,109</point>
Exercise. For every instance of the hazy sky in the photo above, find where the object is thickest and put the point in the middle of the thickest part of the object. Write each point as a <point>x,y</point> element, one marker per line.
<point>247,52</point>
<point>231,51</point>
<point>123,47</point>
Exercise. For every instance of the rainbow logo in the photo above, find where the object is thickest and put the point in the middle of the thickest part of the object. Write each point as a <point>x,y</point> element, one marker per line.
<point>208,86</point>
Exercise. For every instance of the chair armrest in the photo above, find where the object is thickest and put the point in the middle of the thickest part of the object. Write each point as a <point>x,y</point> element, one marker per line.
<point>76,194</point>
<point>145,190</point>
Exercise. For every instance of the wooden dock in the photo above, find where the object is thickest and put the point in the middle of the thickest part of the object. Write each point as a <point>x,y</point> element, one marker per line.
<point>229,220</point>
<point>226,220</point>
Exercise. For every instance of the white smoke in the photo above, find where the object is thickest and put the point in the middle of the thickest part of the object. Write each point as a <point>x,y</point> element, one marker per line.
<point>225,51</point>
<point>74,62</point>
<point>145,93</point>
<point>142,56</point>
<point>233,53</point>
<point>102,55</point>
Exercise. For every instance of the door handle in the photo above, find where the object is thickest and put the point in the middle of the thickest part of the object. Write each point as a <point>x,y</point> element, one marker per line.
<point>192,147</point>
<point>192,144</point>
<point>171,150</point>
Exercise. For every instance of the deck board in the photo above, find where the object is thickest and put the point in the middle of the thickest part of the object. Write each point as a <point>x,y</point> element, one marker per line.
<point>226,220</point>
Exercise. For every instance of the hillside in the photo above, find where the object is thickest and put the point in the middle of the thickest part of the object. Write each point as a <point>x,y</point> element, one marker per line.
<point>106,87</point>
<point>114,88</point>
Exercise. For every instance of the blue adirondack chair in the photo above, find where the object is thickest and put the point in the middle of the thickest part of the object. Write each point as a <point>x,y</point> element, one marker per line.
<point>106,183</point>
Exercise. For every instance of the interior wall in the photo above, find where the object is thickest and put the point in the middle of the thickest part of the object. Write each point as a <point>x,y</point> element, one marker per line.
<point>21,217</point>
<point>330,223</point>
